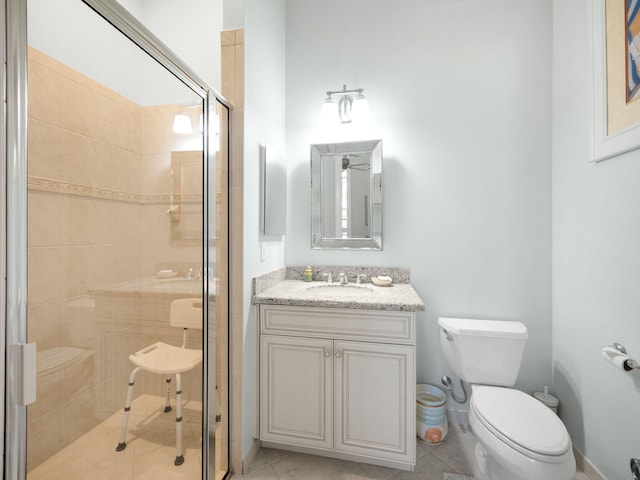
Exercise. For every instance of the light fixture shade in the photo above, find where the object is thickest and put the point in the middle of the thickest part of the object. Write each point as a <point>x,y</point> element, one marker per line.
<point>182,124</point>
<point>360,110</point>
<point>329,116</point>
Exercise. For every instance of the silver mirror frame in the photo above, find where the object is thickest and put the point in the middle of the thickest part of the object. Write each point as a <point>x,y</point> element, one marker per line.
<point>320,151</point>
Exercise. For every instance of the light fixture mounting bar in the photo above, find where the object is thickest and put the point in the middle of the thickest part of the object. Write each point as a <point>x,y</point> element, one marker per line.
<point>344,91</point>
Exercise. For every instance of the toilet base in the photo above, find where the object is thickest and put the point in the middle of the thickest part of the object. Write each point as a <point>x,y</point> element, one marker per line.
<point>495,460</point>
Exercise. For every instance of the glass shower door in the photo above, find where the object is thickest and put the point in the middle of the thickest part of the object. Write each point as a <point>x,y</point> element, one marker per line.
<point>126,215</point>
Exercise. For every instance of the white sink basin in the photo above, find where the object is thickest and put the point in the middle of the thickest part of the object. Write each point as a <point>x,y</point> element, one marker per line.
<point>339,290</point>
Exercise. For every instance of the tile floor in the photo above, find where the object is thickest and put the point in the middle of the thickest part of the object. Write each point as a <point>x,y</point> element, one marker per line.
<point>454,455</point>
<point>150,452</point>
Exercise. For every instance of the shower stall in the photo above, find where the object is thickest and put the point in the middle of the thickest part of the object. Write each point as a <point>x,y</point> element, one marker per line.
<point>115,206</point>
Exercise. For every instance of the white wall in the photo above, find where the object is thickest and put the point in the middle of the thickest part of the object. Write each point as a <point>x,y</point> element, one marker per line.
<point>72,33</point>
<point>264,123</point>
<point>460,94</point>
<point>233,14</point>
<point>596,258</point>
<point>191,30</point>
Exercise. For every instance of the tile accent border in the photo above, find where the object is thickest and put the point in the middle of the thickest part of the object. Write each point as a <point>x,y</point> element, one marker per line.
<point>67,188</point>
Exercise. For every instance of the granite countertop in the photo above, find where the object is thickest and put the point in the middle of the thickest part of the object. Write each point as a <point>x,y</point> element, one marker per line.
<point>398,296</point>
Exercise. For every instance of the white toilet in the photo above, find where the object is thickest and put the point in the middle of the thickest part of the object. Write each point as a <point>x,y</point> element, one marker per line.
<point>519,438</point>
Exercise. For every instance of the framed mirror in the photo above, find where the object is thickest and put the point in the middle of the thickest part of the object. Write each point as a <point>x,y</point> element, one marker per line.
<point>346,195</point>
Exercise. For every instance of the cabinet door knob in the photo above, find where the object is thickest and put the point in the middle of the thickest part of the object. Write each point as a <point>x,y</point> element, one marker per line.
<point>338,355</point>
<point>327,353</point>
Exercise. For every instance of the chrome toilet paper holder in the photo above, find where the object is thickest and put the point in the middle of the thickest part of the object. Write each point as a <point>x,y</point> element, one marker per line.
<point>635,468</point>
<point>630,363</point>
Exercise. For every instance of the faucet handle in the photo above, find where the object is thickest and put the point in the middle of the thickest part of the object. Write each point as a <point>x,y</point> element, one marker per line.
<point>358,277</point>
<point>329,278</point>
<point>343,278</point>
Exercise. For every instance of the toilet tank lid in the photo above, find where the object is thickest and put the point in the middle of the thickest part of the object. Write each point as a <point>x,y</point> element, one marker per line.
<point>494,328</point>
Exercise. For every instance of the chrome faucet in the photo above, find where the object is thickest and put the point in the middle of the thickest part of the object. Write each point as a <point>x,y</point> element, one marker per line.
<point>329,278</point>
<point>342,278</point>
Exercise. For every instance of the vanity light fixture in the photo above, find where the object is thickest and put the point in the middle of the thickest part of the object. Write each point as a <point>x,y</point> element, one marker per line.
<point>352,107</point>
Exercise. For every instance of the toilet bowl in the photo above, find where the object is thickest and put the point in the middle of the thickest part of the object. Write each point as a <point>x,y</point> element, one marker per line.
<point>519,438</point>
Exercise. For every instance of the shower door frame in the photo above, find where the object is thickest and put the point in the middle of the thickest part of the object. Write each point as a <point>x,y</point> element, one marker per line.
<point>13,208</point>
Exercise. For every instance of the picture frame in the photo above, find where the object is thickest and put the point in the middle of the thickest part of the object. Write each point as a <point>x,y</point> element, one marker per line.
<point>607,106</point>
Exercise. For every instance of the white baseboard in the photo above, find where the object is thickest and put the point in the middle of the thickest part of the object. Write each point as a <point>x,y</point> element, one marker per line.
<point>248,458</point>
<point>460,419</point>
<point>583,463</point>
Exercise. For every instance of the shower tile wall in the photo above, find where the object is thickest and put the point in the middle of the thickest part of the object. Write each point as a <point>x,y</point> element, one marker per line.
<point>99,189</point>
<point>232,54</point>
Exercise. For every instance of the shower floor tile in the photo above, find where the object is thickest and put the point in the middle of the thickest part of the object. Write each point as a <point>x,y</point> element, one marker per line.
<point>150,452</point>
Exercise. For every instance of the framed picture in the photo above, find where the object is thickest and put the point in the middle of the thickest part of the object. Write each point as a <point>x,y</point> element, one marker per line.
<point>615,125</point>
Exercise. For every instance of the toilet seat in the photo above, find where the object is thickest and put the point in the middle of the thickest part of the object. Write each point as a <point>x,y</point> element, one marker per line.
<point>521,422</point>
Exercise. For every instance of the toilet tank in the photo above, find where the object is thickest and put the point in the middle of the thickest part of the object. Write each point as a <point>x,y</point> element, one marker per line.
<point>486,352</point>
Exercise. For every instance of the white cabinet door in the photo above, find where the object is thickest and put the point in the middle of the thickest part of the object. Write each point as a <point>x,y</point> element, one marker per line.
<point>296,403</point>
<point>375,400</point>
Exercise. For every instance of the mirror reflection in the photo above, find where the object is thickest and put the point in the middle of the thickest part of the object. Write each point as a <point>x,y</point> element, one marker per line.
<point>346,195</point>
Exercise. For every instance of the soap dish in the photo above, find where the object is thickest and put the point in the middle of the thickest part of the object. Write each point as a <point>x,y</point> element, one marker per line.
<point>167,274</point>
<point>382,281</point>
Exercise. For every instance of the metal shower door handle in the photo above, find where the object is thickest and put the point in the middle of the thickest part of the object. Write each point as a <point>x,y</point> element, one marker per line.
<point>23,357</point>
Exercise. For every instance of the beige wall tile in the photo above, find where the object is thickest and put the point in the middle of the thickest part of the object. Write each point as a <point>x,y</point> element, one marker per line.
<point>127,225</point>
<point>46,150</point>
<point>228,79</point>
<point>46,94</point>
<point>45,436</point>
<point>79,327</point>
<point>79,376</point>
<point>88,269</point>
<point>45,60</point>
<point>158,136</point>
<point>88,113</point>
<point>127,170</point>
<point>128,129</point>
<point>156,176</point>
<point>47,274</point>
<point>75,77</point>
<point>79,418</point>
<point>228,37</point>
<point>46,324</point>
<point>47,219</point>
<point>89,221</point>
<point>156,224</point>
<point>126,262</point>
<point>50,395</point>
<point>88,161</point>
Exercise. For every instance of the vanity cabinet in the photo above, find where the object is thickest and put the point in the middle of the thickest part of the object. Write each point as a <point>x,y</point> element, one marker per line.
<point>339,382</point>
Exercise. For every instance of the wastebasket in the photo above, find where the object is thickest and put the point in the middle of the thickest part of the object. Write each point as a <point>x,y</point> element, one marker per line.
<point>431,413</point>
